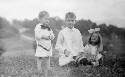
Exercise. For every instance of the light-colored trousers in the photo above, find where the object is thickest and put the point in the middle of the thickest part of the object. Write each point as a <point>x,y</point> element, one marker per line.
<point>43,64</point>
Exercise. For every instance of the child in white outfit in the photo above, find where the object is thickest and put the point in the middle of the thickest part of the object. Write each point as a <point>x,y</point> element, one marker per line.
<point>43,37</point>
<point>69,42</point>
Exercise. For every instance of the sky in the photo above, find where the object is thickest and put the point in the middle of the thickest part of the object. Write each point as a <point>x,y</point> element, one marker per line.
<point>99,11</point>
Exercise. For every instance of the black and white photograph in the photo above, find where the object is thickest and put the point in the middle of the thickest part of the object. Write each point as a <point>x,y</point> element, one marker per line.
<point>62,38</point>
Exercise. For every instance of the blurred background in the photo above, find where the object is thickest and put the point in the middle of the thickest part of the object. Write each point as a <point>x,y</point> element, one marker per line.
<point>21,34</point>
<point>18,19</point>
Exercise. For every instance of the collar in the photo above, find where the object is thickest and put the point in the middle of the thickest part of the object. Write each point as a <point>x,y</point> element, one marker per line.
<point>68,29</point>
<point>44,26</point>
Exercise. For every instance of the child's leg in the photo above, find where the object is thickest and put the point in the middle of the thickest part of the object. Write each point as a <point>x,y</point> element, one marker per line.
<point>46,65</point>
<point>39,62</point>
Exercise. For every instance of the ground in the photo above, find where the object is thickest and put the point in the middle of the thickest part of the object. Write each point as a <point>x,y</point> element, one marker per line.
<point>24,65</point>
<point>19,61</point>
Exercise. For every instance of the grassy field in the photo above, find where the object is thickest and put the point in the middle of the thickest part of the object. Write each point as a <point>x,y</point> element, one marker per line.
<point>24,65</point>
<point>19,61</point>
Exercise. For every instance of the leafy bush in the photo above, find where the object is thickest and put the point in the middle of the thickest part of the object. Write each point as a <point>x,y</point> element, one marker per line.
<point>7,30</point>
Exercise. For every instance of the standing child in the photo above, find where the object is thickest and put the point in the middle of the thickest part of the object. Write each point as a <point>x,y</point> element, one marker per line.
<point>69,42</point>
<point>94,47</point>
<point>43,37</point>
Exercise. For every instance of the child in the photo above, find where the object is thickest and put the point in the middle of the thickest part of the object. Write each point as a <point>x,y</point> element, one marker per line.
<point>92,50</point>
<point>69,42</point>
<point>94,47</point>
<point>43,37</point>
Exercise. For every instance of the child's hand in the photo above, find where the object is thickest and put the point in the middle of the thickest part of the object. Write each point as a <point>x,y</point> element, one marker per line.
<point>66,52</point>
<point>81,54</point>
<point>51,36</point>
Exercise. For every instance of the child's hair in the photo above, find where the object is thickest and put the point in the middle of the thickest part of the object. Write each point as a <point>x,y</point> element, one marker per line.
<point>42,14</point>
<point>98,43</point>
<point>70,15</point>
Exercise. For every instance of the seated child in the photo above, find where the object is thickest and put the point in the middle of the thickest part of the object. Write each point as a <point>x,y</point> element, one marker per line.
<point>69,42</point>
<point>92,50</point>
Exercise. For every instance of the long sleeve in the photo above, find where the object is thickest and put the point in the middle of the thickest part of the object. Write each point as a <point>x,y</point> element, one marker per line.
<point>59,43</point>
<point>41,33</point>
<point>101,48</point>
<point>38,32</point>
<point>52,35</point>
<point>81,45</point>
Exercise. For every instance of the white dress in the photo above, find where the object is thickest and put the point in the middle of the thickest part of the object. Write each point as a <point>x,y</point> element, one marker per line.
<point>92,50</point>
<point>40,51</point>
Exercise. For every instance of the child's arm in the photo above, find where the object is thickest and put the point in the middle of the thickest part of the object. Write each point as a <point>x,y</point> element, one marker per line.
<point>101,48</point>
<point>51,37</point>
<point>81,45</point>
<point>59,43</point>
<point>86,49</point>
<point>38,33</point>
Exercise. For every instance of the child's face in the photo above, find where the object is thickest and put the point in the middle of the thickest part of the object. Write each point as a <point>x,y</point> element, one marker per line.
<point>45,20</point>
<point>70,22</point>
<point>94,37</point>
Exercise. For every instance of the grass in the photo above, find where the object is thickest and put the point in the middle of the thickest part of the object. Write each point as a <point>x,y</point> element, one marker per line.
<point>11,44</point>
<point>25,66</point>
<point>21,62</point>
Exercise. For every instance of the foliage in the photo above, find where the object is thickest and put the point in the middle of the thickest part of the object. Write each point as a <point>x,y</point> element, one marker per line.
<point>7,29</point>
<point>83,26</point>
<point>112,35</point>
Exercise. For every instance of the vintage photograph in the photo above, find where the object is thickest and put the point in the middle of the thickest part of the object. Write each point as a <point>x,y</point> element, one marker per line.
<point>62,38</point>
